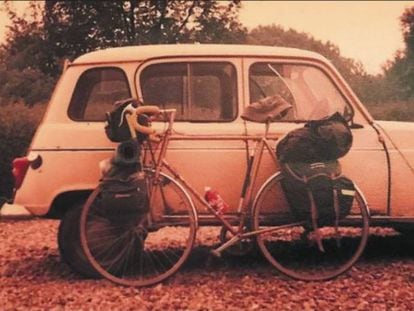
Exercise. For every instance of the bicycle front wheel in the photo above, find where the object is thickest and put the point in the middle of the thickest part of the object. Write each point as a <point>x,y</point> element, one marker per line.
<point>140,250</point>
<point>290,245</point>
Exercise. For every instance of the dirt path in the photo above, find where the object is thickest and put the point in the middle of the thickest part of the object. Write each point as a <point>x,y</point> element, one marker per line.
<point>32,277</point>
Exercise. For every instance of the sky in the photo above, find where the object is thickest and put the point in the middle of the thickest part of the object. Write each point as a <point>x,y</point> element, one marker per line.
<point>368,31</point>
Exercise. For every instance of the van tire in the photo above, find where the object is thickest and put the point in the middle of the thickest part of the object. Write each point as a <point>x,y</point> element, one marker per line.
<point>70,246</point>
<point>407,230</point>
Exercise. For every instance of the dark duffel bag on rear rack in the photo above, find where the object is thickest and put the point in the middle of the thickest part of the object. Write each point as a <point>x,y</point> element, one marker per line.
<point>318,141</point>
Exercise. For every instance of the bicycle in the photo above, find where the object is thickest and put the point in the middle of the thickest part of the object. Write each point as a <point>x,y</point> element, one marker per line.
<point>149,252</point>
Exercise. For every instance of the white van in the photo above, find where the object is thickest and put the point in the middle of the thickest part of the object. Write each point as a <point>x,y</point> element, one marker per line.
<point>209,85</point>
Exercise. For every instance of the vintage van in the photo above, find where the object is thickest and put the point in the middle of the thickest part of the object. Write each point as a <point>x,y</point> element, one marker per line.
<point>209,85</point>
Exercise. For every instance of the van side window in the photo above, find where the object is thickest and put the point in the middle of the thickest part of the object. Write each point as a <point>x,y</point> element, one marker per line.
<point>96,91</point>
<point>200,91</point>
<point>312,94</point>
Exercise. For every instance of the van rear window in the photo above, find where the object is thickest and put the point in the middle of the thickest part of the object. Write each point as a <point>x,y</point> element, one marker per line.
<point>200,91</point>
<point>96,91</point>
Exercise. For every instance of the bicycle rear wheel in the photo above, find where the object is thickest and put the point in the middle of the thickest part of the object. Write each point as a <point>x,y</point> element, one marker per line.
<point>290,246</point>
<point>140,250</point>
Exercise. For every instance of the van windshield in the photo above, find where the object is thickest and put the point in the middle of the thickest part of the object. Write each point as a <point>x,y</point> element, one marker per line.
<point>309,90</point>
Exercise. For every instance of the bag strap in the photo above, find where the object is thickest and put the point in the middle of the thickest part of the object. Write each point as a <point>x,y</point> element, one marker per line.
<point>337,214</point>
<point>314,217</point>
<point>305,178</point>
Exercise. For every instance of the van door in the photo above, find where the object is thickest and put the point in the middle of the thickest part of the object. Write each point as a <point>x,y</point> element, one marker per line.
<point>206,94</point>
<point>315,91</point>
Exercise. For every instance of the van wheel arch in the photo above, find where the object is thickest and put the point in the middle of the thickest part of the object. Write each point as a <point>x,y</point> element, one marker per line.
<point>66,201</point>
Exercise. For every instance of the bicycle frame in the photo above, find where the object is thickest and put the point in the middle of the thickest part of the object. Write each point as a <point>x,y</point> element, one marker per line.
<point>177,213</point>
<point>261,144</point>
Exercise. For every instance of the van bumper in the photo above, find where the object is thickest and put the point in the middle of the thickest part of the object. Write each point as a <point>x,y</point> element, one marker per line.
<point>14,212</point>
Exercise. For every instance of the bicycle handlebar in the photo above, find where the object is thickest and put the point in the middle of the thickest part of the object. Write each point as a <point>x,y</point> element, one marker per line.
<point>153,111</point>
<point>150,110</point>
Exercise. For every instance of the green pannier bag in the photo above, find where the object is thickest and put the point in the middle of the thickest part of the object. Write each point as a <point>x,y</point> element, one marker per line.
<point>124,194</point>
<point>125,197</point>
<point>317,192</point>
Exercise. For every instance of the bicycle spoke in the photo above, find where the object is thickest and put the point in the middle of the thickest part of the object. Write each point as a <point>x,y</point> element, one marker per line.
<point>293,247</point>
<point>134,255</point>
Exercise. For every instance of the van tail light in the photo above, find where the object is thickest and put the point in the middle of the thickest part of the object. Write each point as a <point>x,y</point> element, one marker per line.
<point>20,166</point>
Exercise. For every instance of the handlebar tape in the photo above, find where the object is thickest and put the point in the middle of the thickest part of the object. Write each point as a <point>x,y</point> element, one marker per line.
<point>148,130</point>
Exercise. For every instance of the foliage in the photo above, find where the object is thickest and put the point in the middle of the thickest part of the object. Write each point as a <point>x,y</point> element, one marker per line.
<point>28,85</point>
<point>71,28</point>
<point>80,26</point>
<point>75,27</point>
<point>396,111</point>
<point>399,73</point>
<point>17,126</point>
<point>407,23</point>
<point>22,59</point>
<point>36,45</point>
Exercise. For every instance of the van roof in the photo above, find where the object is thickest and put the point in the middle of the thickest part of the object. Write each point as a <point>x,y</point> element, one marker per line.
<point>143,52</point>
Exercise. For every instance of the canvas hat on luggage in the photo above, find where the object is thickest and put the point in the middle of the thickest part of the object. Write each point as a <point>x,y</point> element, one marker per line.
<point>268,109</point>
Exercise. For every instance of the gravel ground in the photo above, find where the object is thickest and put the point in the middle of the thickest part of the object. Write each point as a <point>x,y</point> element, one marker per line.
<point>33,277</point>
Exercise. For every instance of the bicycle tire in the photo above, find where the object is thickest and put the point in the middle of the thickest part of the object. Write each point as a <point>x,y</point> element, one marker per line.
<point>291,250</point>
<point>146,252</point>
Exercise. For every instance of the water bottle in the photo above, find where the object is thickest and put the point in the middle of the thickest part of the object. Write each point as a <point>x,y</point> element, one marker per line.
<point>215,200</point>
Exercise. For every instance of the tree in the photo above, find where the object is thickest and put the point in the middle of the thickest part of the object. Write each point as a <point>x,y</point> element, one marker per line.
<point>37,45</point>
<point>76,27</point>
<point>404,65</point>
<point>23,59</point>
<point>407,24</point>
<point>399,72</point>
